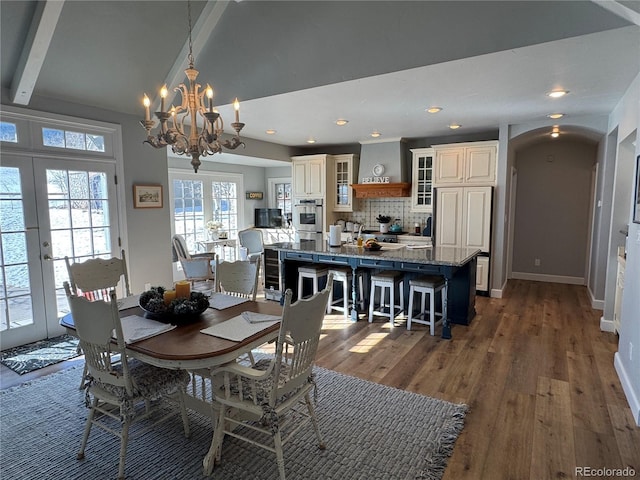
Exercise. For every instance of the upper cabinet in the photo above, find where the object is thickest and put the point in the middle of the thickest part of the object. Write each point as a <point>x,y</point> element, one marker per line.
<point>472,163</point>
<point>422,179</point>
<point>309,176</point>
<point>344,172</point>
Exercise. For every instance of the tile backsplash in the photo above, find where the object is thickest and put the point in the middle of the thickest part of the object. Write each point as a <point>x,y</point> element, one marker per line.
<point>370,208</point>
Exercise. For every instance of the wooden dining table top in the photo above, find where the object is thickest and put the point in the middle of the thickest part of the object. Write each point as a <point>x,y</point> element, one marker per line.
<point>186,347</point>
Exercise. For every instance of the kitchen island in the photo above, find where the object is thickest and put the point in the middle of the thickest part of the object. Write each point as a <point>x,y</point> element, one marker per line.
<point>456,265</point>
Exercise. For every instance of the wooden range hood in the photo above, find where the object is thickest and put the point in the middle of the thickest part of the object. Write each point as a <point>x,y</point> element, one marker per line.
<point>381,190</point>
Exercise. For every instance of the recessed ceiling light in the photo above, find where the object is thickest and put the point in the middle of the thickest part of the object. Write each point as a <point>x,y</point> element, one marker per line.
<point>375,134</point>
<point>454,126</point>
<point>555,116</point>
<point>434,109</point>
<point>270,132</point>
<point>341,122</point>
<point>557,93</point>
<point>311,140</point>
<point>555,134</point>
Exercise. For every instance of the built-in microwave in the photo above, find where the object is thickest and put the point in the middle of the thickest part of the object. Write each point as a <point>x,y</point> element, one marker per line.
<point>307,215</point>
<point>267,218</point>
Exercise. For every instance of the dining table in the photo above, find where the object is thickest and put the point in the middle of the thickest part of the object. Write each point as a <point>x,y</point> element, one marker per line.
<point>186,347</point>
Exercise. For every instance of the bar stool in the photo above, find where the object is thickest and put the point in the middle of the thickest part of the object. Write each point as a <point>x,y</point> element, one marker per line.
<point>386,281</point>
<point>314,272</point>
<point>427,285</point>
<point>344,275</point>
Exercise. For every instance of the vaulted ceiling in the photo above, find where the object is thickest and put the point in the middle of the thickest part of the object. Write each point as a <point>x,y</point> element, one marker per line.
<point>299,66</point>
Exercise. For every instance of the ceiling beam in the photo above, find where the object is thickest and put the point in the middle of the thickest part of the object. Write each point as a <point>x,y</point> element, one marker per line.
<point>35,50</point>
<point>201,31</point>
<point>620,10</point>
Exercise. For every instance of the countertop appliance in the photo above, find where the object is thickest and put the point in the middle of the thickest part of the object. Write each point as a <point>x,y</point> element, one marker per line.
<point>267,218</point>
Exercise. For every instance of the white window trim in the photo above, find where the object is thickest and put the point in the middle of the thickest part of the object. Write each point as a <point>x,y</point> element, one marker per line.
<point>32,121</point>
<point>272,181</point>
<point>207,178</point>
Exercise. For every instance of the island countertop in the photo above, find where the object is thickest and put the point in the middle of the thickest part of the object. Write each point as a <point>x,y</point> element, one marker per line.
<point>395,252</point>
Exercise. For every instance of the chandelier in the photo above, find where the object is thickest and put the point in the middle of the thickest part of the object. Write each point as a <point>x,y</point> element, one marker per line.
<point>200,141</point>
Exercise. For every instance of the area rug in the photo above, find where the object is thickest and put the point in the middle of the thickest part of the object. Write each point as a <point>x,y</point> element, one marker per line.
<point>371,432</point>
<point>27,358</point>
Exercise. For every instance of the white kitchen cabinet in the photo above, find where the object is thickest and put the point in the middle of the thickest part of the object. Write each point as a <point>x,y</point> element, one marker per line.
<point>344,173</point>
<point>422,179</point>
<point>463,219</point>
<point>472,163</point>
<point>309,176</point>
<point>482,274</point>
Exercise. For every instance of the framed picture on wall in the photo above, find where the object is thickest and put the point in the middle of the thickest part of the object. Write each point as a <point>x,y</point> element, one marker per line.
<point>147,196</point>
<point>636,202</point>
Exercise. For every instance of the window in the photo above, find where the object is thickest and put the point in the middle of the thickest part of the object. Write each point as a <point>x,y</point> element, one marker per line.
<point>280,196</point>
<point>53,137</point>
<point>224,199</point>
<point>8,132</point>
<point>199,198</point>
<point>188,211</point>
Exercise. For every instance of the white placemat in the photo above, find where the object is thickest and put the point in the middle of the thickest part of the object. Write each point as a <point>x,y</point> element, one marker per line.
<point>220,301</point>
<point>128,302</point>
<point>412,247</point>
<point>136,328</point>
<point>236,329</point>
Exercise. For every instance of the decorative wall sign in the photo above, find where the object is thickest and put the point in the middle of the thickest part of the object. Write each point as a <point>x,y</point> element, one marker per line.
<point>147,196</point>
<point>376,180</point>
<point>254,195</point>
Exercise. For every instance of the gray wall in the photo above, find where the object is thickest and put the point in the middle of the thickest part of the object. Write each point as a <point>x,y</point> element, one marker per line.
<point>552,207</point>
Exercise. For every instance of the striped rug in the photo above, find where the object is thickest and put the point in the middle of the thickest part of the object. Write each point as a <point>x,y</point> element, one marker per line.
<point>371,431</point>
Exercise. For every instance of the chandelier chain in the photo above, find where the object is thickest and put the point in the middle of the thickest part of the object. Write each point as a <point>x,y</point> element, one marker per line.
<point>190,56</point>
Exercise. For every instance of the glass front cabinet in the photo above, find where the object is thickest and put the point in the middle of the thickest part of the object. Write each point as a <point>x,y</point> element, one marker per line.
<point>345,169</point>
<point>422,180</point>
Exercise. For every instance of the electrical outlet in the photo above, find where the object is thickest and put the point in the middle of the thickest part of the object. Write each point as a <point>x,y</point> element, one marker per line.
<point>147,286</point>
<point>536,262</point>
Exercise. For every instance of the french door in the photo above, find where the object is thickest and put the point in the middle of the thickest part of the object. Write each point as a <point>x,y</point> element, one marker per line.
<point>49,209</point>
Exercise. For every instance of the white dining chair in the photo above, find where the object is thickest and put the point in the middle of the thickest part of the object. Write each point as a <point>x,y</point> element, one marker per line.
<point>273,396</point>
<point>197,266</point>
<point>95,279</point>
<point>239,278</point>
<point>125,392</point>
<point>252,241</point>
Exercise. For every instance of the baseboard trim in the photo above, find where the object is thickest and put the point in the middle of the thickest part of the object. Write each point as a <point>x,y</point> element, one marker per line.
<point>632,398</point>
<point>496,293</point>
<point>538,277</point>
<point>595,304</point>
<point>607,325</point>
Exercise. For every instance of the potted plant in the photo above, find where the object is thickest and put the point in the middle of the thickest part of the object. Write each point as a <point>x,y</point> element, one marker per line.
<point>384,221</point>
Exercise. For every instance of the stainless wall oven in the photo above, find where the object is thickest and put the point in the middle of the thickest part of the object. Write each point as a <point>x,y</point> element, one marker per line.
<point>307,215</point>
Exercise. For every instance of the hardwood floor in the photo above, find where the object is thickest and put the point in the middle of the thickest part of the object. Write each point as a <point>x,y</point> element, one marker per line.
<point>533,366</point>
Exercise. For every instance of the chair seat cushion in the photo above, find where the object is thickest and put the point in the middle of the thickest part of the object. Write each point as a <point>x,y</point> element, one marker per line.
<point>148,381</point>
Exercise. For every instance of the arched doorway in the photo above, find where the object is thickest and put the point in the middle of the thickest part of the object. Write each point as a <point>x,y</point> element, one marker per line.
<point>553,205</point>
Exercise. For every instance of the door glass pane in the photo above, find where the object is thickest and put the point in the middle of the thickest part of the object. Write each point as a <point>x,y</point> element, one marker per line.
<point>79,219</point>
<point>15,294</point>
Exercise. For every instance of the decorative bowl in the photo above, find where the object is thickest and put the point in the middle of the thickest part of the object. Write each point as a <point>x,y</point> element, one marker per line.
<point>180,310</point>
<point>373,248</point>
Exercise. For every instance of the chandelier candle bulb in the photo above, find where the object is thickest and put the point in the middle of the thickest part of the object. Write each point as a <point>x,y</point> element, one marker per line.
<point>210,97</point>
<point>147,103</point>
<point>236,106</point>
<point>163,95</point>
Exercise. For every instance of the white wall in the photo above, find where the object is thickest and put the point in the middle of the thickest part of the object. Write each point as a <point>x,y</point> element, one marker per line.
<point>626,118</point>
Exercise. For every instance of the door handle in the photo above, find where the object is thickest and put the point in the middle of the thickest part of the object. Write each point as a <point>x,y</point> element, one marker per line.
<point>47,257</point>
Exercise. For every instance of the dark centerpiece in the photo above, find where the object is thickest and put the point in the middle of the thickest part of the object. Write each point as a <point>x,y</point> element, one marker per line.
<point>161,304</point>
